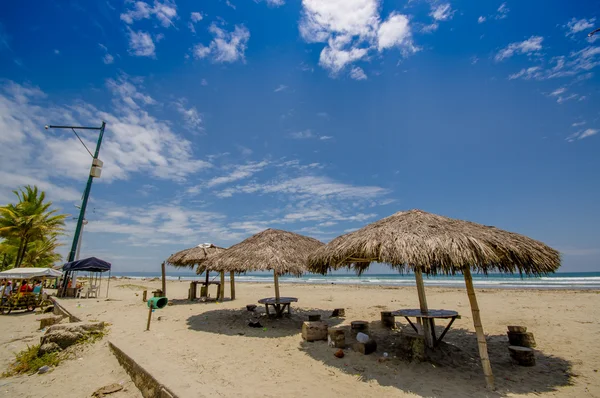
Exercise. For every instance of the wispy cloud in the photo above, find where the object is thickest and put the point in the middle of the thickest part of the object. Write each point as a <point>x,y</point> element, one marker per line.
<point>281,87</point>
<point>502,11</point>
<point>165,12</point>
<point>191,116</point>
<point>226,46</point>
<point>302,135</point>
<point>577,63</point>
<point>141,44</point>
<point>580,135</point>
<point>529,46</point>
<point>357,73</point>
<point>481,19</point>
<point>576,26</point>
<point>238,173</point>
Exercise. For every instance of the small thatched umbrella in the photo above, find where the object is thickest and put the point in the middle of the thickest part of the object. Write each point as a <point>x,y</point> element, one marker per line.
<point>196,255</point>
<point>274,250</point>
<point>424,242</point>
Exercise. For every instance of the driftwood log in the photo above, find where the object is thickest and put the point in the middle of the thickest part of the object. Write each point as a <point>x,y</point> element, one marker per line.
<point>521,339</point>
<point>387,319</point>
<point>365,348</point>
<point>313,331</point>
<point>523,356</point>
<point>337,338</point>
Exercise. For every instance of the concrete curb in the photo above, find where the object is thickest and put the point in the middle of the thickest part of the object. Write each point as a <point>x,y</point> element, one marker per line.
<point>60,310</point>
<point>143,380</point>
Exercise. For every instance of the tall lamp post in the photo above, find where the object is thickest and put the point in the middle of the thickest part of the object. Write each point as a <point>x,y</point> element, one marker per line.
<point>95,172</point>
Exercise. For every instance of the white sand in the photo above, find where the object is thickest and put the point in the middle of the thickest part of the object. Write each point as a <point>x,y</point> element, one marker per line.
<point>197,349</point>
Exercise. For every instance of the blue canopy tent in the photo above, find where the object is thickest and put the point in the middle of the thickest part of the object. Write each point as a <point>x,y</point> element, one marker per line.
<point>90,264</point>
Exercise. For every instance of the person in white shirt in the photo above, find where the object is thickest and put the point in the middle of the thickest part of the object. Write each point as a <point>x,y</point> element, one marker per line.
<point>5,290</point>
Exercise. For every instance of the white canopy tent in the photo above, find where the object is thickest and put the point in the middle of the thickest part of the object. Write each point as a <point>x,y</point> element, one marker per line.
<point>29,273</point>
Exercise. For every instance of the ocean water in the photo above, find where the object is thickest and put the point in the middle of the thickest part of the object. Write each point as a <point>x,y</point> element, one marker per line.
<point>561,280</point>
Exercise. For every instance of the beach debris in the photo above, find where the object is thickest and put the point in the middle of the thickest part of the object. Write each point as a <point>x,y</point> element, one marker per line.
<point>339,353</point>
<point>43,369</point>
<point>523,356</point>
<point>313,331</point>
<point>336,338</point>
<point>338,312</point>
<point>365,348</point>
<point>314,317</point>
<point>254,324</point>
<point>361,337</point>
<point>412,346</point>
<point>388,320</point>
<point>106,390</point>
<point>251,307</point>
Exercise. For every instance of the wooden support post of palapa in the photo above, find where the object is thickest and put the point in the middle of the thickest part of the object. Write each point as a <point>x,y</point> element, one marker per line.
<point>276,286</point>
<point>149,317</point>
<point>232,284</point>
<point>481,342</point>
<point>164,280</point>
<point>222,286</point>
<point>427,323</point>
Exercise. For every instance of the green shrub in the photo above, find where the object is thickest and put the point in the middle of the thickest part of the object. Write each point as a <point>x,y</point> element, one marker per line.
<point>29,361</point>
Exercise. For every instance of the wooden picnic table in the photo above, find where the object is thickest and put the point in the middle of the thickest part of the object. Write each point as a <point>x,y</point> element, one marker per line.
<point>429,316</point>
<point>279,305</point>
<point>194,288</point>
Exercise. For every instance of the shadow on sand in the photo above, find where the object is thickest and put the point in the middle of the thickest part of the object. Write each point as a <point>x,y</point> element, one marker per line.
<point>234,322</point>
<point>454,364</point>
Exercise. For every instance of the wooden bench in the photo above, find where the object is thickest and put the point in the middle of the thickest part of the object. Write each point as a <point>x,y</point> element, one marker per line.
<point>279,305</point>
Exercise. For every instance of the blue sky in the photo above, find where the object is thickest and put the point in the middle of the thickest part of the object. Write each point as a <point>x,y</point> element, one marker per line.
<point>228,117</point>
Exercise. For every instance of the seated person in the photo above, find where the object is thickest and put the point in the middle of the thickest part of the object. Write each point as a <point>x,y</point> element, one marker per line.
<point>37,287</point>
<point>6,291</point>
<point>25,287</point>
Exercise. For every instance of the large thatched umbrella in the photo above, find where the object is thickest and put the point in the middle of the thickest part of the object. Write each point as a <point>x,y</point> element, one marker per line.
<point>196,255</point>
<point>423,242</point>
<point>274,250</point>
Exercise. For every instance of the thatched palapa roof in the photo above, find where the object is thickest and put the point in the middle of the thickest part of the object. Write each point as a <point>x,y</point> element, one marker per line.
<point>281,251</point>
<point>195,255</point>
<point>436,244</point>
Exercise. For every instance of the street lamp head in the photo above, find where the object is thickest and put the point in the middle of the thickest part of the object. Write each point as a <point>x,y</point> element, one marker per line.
<point>46,127</point>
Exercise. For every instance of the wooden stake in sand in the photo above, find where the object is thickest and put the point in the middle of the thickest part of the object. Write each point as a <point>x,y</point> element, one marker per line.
<point>164,280</point>
<point>427,323</point>
<point>481,342</point>
<point>149,317</point>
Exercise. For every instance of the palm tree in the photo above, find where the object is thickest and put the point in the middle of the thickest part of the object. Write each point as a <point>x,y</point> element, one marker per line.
<point>42,253</point>
<point>29,220</point>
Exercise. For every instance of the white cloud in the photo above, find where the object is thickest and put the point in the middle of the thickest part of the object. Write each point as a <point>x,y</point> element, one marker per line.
<point>395,32</point>
<point>108,59</point>
<point>196,17</point>
<point>561,99</point>
<point>239,172</point>
<point>351,29</point>
<point>580,135</point>
<point>357,73</point>
<point>302,135</point>
<point>529,46</point>
<point>575,26</point>
<point>577,124</point>
<point>135,141</point>
<point>502,11</point>
<point>204,82</point>
<point>272,3</point>
<point>558,92</point>
<point>325,137</point>
<point>191,116</point>
<point>165,12</point>
<point>442,12</point>
<point>141,44</point>
<point>481,19</point>
<point>226,46</point>
<point>281,87</point>
<point>576,63</point>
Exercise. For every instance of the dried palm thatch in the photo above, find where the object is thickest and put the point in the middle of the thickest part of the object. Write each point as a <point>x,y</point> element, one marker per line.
<point>188,258</point>
<point>435,244</point>
<point>280,251</point>
<point>424,242</point>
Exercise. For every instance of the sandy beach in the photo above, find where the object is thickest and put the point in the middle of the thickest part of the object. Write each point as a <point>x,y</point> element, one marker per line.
<point>208,349</point>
